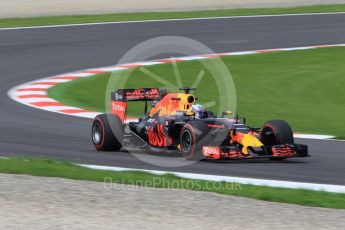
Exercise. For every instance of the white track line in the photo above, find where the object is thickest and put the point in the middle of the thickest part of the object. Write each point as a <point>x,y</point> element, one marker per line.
<point>312,136</point>
<point>170,20</point>
<point>241,180</point>
<point>33,93</point>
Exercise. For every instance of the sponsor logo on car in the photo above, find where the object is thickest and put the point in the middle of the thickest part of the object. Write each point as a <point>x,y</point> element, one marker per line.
<point>210,150</point>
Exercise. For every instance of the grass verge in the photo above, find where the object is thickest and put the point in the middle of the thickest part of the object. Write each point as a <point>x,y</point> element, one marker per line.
<point>50,168</point>
<point>303,87</point>
<point>59,20</point>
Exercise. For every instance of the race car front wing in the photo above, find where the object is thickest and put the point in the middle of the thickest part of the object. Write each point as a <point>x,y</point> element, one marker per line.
<point>276,151</point>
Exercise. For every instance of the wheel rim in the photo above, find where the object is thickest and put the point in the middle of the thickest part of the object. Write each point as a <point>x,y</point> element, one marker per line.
<point>186,141</point>
<point>96,133</point>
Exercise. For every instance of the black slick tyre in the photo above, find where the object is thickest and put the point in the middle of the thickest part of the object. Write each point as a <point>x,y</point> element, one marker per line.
<point>276,132</point>
<point>107,132</point>
<point>193,137</point>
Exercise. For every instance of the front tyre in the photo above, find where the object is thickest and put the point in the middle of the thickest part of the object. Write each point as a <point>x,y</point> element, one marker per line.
<point>192,138</point>
<point>107,132</point>
<point>276,132</point>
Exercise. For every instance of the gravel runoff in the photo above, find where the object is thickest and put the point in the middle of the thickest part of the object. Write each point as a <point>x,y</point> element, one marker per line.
<point>32,8</point>
<point>29,202</point>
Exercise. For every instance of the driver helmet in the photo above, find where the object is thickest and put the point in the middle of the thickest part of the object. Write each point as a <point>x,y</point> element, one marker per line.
<point>154,103</point>
<point>199,111</point>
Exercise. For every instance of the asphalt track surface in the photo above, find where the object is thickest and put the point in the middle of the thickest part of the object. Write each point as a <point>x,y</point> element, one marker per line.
<point>31,54</point>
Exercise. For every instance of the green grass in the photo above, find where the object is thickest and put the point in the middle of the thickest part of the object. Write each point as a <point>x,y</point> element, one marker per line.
<point>58,20</point>
<point>306,88</point>
<point>50,168</point>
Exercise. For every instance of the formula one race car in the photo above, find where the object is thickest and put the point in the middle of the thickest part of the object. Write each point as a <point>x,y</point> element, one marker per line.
<point>176,123</point>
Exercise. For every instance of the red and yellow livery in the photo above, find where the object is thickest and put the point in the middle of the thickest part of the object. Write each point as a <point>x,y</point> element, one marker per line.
<point>171,124</point>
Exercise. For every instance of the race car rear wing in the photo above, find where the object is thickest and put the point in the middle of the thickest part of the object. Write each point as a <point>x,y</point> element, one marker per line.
<point>144,94</point>
<point>120,98</point>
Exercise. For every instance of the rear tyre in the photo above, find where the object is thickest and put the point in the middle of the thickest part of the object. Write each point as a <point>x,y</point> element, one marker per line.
<point>276,132</point>
<point>193,137</point>
<point>107,132</point>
